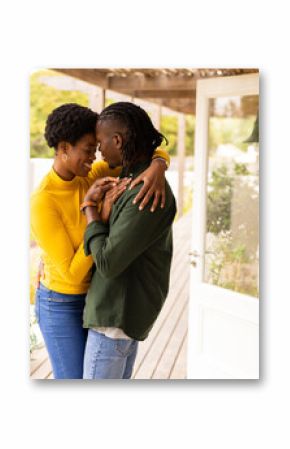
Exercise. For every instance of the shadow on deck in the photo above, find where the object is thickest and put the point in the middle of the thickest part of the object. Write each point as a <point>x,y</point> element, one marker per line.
<point>163,354</point>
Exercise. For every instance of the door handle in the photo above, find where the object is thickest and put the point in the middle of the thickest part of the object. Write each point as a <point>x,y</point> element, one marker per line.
<point>194,253</point>
<point>193,256</point>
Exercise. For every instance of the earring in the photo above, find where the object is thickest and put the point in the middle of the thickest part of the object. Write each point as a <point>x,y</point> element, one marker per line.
<point>64,157</point>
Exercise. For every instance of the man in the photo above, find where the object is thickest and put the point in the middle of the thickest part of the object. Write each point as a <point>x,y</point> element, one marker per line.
<point>132,253</point>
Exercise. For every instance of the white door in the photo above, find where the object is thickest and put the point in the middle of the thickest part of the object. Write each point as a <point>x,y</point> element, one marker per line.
<point>223,339</point>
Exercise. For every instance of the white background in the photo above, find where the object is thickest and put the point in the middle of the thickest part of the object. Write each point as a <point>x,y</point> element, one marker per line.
<point>188,414</point>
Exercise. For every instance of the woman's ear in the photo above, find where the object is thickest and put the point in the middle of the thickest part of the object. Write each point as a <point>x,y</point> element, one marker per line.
<point>63,151</point>
<point>63,147</point>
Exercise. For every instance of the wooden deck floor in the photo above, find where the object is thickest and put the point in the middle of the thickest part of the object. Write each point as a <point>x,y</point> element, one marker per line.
<point>163,354</point>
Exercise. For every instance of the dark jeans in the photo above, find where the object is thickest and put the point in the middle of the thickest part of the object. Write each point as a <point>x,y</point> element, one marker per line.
<point>60,318</point>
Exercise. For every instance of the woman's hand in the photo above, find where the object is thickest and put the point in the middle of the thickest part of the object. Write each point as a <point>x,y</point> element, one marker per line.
<point>40,273</point>
<point>154,184</point>
<point>97,190</point>
<point>111,197</point>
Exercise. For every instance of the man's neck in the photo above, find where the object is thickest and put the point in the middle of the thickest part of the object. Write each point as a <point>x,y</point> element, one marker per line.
<point>143,160</point>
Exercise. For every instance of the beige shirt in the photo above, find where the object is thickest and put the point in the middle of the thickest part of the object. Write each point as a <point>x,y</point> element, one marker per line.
<point>112,332</point>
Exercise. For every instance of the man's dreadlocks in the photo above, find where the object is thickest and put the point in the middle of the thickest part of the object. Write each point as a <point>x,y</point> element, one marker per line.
<point>141,138</point>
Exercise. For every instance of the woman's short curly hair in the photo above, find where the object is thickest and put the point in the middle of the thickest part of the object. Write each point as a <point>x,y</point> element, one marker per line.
<point>69,123</point>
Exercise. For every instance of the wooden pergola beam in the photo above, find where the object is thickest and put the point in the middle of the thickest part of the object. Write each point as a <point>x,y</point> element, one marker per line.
<point>93,76</point>
<point>172,88</point>
<point>185,105</point>
<point>131,82</point>
<point>185,93</point>
<point>159,82</point>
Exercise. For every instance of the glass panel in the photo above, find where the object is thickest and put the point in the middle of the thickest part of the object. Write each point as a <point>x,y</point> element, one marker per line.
<point>232,240</point>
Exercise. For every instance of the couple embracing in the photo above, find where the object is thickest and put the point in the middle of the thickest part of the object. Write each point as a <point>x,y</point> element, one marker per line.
<point>106,255</point>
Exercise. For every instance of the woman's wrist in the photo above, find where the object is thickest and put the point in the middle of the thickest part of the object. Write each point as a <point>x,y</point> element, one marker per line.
<point>92,214</point>
<point>162,162</point>
<point>88,198</point>
<point>87,203</point>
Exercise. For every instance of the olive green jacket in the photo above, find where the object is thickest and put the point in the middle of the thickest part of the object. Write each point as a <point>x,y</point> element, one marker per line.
<point>132,256</point>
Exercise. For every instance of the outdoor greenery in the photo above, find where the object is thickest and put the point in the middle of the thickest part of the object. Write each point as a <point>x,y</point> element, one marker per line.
<point>169,127</point>
<point>43,99</point>
<point>32,335</point>
<point>220,196</point>
<point>219,201</point>
<point>230,265</point>
<point>229,130</point>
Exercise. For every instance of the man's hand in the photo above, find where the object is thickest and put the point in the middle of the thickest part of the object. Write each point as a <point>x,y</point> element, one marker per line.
<point>154,184</point>
<point>111,197</point>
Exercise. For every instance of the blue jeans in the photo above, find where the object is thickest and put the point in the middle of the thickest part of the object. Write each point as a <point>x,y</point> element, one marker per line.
<point>108,358</point>
<point>60,318</point>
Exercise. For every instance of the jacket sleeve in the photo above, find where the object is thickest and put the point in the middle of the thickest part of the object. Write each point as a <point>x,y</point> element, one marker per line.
<point>50,234</point>
<point>114,248</point>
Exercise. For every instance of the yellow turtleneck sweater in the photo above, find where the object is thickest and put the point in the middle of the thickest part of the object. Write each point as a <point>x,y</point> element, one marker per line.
<point>58,227</point>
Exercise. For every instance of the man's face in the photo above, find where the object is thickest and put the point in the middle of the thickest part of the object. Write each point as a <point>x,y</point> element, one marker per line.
<point>109,143</point>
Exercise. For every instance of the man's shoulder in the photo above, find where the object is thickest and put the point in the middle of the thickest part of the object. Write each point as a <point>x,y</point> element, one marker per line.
<point>126,200</point>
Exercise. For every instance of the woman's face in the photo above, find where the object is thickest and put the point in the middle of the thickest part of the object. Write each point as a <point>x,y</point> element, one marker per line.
<point>81,155</point>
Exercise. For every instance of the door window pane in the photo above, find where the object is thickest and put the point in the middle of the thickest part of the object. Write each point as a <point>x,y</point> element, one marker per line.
<point>232,240</point>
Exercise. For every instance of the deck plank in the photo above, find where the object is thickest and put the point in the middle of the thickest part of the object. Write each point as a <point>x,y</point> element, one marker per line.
<point>179,368</point>
<point>38,357</point>
<point>169,355</point>
<point>44,371</point>
<point>153,356</point>
<point>179,278</point>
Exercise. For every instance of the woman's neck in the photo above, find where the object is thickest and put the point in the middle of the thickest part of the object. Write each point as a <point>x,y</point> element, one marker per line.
<point>62,171</point>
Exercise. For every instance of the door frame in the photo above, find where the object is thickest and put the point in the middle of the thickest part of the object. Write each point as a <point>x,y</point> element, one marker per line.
<point>203,295</point>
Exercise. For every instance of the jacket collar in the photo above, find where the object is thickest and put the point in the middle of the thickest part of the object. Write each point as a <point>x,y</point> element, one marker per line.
<point>135,170</point>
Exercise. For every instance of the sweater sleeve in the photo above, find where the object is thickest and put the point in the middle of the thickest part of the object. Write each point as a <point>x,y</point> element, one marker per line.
<point>50,234</point>
<point>159,152</point>
<point>114,248</point>
<point>101,168</point>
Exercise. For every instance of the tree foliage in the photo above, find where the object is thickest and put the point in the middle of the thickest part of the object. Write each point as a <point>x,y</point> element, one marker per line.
<point>219,201</point>
<point>169,127</point>
<point>43,99</point>
<point>229,130</point>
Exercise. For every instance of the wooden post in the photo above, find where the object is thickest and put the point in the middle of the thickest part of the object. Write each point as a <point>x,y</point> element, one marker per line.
<point>156,117</point>
<point>181,161</point>
<point>97,99</point>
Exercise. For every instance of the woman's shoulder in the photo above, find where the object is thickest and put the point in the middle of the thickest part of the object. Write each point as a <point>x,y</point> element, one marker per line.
<point>44,184</point>
<point>43,192</point>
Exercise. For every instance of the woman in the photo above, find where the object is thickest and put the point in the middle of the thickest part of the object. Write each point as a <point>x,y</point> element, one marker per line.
<point>58,227</point>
